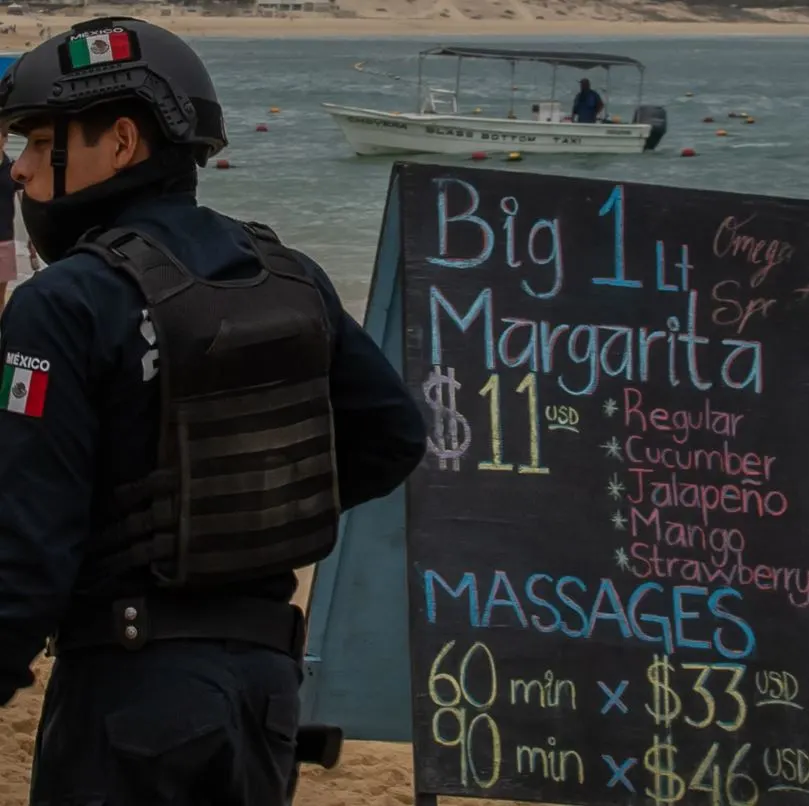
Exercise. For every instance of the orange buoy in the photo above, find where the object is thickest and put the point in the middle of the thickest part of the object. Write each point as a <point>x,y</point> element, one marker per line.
<point>222,164</point>
<point>262,127</point>
<point>274,110</point>
<point>749,120</point>
<point>514,156</point>
<point>721,133</point>
<point>708,120</point>
<point>479,155</point>
<point>688,152</point>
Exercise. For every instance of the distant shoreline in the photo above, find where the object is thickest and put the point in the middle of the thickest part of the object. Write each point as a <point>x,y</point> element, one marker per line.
<point>318,27</point>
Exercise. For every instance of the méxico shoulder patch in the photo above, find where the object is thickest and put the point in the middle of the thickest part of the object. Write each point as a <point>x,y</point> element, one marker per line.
<point>24,384</point>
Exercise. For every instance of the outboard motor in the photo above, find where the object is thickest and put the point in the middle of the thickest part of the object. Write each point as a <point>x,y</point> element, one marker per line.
<point>655,116</point>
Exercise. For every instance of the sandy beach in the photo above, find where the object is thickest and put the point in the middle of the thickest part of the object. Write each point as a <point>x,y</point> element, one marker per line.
<point>436,18</point>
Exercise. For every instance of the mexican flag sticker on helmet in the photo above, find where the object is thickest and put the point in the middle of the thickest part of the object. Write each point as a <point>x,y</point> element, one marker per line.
<point>99,47</point>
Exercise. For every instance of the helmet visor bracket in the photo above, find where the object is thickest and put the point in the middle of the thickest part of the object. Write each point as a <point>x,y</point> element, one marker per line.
<point>70,95</point>
<point>174,112</point>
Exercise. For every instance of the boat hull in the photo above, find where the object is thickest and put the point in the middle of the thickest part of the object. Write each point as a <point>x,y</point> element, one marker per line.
<point>373,133</point>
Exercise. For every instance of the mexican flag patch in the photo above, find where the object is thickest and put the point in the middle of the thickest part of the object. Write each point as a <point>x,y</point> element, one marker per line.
<point>99,48</point>
<point>24,384</point>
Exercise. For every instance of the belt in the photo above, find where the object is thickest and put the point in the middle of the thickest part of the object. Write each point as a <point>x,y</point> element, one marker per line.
<point>134,622</point>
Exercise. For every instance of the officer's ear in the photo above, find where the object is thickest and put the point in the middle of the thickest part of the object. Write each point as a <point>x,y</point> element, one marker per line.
<point>129,146</point>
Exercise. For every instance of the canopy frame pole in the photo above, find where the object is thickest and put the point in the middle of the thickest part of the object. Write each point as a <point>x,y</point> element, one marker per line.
<point>511,101</point>
<point>418,87</point>
<point>640,86</point>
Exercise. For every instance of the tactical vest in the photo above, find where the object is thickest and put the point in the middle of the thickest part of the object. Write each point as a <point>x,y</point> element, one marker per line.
<point>246,483</point>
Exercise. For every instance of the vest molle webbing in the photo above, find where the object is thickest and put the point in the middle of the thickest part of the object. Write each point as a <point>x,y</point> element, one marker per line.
<point>246,485</point>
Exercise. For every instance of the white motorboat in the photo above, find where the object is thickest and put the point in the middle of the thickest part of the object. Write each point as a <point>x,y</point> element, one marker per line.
<point>438,127</point>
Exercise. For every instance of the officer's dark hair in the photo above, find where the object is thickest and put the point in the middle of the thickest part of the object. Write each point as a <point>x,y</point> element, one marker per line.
<point>96,120</point>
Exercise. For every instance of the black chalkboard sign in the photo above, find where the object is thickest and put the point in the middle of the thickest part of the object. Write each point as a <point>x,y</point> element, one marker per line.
<point>608,541</point>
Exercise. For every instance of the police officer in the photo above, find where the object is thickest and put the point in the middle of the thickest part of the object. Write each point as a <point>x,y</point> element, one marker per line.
<point>185,410</point>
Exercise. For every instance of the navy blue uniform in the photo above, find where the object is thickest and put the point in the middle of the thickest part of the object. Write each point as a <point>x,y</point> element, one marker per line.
<point>80,404</point>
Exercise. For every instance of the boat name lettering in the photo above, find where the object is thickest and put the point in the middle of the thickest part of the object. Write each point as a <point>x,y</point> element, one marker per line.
<point>567,140</point>
<point>494,137</point>
<point>509,138</point>
<point>449,132</point>
<point>384,124</point>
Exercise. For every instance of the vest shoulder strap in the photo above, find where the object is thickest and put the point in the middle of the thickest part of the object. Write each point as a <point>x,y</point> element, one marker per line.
<point>161,275</point>
<point>158,273</point>
<point>259,230</point>
<point>275,257</point>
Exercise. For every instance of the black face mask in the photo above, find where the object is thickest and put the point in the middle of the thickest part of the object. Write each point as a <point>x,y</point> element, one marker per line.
<point>55,226</point>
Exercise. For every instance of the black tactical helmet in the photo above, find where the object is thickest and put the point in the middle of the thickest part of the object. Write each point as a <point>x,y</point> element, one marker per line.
<point>112,59</point>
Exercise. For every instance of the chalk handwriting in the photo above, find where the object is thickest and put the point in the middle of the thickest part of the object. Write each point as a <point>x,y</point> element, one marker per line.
<point>777,688</point>
<point>451,432</point>
<point>550,763</point>
<point>732,239</point>
<point>452,709</point>
<point>542,243</point>
<point>731,311</point>
<point>564,418</point>
<point>789,769</point>
<point>567,605</point>
<point>548,692</point>
<point>599,352</point>
<point>529,387</point>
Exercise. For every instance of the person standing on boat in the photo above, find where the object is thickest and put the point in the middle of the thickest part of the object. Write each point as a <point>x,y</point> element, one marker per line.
<point>588,104</point>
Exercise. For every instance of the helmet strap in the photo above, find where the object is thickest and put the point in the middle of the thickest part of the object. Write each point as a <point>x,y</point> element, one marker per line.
<point>59,156</point>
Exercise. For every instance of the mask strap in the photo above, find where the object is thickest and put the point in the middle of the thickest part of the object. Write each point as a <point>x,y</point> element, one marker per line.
<point>59,157</point>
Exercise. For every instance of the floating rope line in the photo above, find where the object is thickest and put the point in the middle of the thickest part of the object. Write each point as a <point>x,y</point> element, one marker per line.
<point>362,67</point>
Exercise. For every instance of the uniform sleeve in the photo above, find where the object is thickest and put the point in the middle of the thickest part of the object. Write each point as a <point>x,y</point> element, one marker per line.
<point>380,434</point>
<point>48,433</point>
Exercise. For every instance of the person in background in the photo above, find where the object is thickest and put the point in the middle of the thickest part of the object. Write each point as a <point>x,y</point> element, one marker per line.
<point>588,104</point>
<point>9,189</point>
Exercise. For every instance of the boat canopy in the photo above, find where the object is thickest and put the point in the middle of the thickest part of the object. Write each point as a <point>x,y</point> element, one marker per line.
<point>582,61</point>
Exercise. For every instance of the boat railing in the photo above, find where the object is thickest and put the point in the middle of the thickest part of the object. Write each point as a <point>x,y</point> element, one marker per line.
<point>439,102</point>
